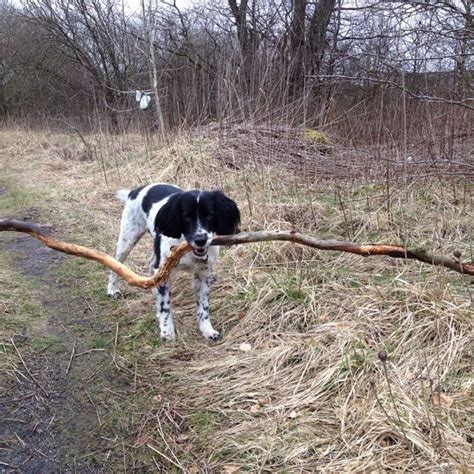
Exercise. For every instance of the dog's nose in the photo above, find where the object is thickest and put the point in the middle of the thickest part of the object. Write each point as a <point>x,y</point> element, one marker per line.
<point>200,240</point>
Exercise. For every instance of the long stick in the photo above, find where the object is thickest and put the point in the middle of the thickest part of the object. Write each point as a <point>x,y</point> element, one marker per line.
<point>122,270</point>
<point>163,274</point>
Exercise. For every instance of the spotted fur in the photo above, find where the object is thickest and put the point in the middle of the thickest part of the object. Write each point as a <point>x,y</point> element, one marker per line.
<point>171,216</point>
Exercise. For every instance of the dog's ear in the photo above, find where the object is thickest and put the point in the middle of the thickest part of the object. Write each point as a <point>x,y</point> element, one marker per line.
<point>169,220</point>
<point>227,215</point>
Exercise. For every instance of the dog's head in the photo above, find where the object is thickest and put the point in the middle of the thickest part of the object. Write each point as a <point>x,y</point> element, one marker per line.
<point>198,215</point>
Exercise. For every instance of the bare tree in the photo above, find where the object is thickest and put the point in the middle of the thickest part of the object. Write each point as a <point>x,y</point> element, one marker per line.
<point>244,59</point>
<point>90,34</point>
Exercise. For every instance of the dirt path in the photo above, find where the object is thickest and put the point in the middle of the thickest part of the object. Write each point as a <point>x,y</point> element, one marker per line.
<point>48,417</point>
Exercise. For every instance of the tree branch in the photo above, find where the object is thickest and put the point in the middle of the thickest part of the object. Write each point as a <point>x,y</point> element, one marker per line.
<point>120,269</point>
<point>163,274</point>
<point>427,98</point>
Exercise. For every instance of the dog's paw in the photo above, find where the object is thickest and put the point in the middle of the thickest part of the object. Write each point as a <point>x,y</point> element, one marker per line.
<point>114,294</point>
<point>212,335</point>
<point>168,335</point>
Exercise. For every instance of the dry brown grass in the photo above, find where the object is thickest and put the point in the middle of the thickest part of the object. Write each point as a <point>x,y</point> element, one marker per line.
<point>298,382</point>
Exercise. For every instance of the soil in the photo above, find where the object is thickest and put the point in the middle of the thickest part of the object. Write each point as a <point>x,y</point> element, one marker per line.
<point>45,414</point>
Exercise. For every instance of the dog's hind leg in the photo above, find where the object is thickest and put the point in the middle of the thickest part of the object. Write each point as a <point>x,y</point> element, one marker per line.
<point>132,227</point>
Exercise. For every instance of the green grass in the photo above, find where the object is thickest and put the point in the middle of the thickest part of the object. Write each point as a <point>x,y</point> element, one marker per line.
<point>140,337</point>
<point>357,357</point>
<point>98,342</point>
<point>20,314</point>
<point>204,425</point>
<point>16,199</point>
<point>49,342</point>
<point>315,322</point>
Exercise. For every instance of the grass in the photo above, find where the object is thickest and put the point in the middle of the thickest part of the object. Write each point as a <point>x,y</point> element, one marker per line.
<point>19,199</point>
<point>19,301</point>
<point>52,342</point>
<point>311,393</point>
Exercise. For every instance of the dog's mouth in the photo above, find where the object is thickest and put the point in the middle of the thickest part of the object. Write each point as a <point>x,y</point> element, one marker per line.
<point>200,253</point>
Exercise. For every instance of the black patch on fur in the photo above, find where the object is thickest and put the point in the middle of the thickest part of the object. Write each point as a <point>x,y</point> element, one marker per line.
<point>134,193</point>
<point>157,250</point>
<point>226,216</point>
<point>157,193</point>
<point>176,215</point>
<point>162,290</point>
<point>214,211</point>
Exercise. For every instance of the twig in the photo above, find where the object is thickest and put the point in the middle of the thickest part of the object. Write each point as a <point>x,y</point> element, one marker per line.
<point>89,351</point>
<point>50,422</point>
<point>72,356</point>
<point>115,343</point>
<point>427,98</point>
<point>12,466</point>
<point>44,455</point>
<point>22,443</point>
<point>93,374</point>
<point>383,358</point>
<point>164,456</point>
<point>95,408</point>
<point>28,370</point>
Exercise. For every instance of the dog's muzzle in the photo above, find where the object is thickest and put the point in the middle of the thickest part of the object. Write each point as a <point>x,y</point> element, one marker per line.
<point>200,246</point>
<point>200,253</point>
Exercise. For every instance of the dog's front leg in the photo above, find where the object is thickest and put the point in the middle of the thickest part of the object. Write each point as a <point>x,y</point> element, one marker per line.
<point>202,283</point>
<point>163,312</point>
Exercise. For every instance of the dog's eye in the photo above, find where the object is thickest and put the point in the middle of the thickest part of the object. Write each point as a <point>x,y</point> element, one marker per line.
<point>187,218</point>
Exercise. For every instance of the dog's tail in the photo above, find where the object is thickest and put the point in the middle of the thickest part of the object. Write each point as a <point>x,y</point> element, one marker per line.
<point>122,195</point>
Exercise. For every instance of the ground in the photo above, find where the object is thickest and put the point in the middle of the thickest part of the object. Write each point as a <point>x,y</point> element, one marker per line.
<point>300,380</point>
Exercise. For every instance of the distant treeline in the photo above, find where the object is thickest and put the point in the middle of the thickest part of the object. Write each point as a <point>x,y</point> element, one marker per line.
<point>367,70</point>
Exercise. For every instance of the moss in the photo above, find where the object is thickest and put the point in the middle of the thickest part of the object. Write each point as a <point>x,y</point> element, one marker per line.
<point>319,138</point>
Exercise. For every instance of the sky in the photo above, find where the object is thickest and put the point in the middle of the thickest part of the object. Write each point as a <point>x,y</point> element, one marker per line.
<point>181,4</point>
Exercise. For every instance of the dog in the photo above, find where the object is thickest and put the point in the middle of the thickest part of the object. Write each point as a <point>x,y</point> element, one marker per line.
<point>171,216</point>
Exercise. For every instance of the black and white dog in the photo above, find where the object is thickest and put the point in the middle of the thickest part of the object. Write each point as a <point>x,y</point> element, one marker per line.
<point>172,215</point>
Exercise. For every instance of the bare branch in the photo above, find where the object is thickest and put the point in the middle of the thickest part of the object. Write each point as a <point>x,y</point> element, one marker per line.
<point>426,98</point>
<point>365,250</point>
<point>123,271</point>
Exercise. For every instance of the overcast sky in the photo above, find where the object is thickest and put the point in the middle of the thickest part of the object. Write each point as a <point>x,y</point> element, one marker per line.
<point>137,4</point>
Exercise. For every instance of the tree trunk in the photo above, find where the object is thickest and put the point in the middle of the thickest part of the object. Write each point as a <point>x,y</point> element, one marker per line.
<point>317,33</point>
<point>297,44</point>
